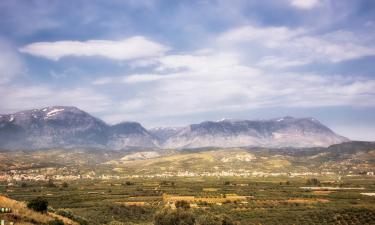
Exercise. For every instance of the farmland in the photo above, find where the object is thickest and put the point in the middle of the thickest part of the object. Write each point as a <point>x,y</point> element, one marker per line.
<point>273,200</point>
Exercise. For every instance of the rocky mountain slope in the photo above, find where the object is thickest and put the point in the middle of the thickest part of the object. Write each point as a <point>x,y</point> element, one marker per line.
<point>280,132</point>
<point>70,127</point>
<point>67,127</point>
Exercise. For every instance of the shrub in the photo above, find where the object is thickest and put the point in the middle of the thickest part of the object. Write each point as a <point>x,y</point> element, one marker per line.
<point>227,221</point>
<point>50,184</point>
<point>208,219</point>
<point>38,204</point>
<point>174,217</point>
<point>182,204</point>
<point>56,222</point>
<point>313,181</point>
<point>128,183</point>
<point>68,214</point>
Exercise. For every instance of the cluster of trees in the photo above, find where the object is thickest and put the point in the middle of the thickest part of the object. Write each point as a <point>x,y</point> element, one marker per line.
<point>183,215</point>
<point>187,217</point>
<point>38,204</point>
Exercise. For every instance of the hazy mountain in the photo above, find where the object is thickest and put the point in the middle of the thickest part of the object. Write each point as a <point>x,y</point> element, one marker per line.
<point>67,127</point>
<point>62,126</point>
<point>280,132</point>
<point>130,134</point>
<point>162,134</point>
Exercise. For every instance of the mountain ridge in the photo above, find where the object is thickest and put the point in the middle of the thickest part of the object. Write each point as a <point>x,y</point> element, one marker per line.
<point>68,126</point>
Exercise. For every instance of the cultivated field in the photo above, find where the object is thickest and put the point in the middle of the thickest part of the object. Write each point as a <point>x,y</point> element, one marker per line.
<point>272,200</point>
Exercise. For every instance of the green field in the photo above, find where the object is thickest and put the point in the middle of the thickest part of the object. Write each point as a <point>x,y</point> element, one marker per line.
<point>268,200</point>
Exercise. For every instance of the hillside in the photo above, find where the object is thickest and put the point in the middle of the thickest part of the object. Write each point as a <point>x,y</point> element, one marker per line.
<point>21,215</point>
<point>335,158</point>
<point>343,158</point>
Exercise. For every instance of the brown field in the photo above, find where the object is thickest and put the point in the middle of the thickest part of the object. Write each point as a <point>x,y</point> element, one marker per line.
<point>323,192</point>
<point>191,199</point>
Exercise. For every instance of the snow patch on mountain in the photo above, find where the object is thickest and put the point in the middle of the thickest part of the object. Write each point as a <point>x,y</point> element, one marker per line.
<point>54,112</point>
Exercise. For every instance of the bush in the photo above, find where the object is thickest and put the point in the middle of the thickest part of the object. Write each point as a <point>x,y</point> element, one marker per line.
<point>225,220</point>
<point>182,204</point>
<point>56,222</point>
<point>128,183</point>
<point>68,214</point>
<point>313,181</point>
<point>38,204</point>
<point>50,184</point>
<point>174,217</point>
<point>208,220</point>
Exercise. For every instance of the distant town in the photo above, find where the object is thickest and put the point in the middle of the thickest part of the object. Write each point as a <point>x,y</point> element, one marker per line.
<point>65,174</point>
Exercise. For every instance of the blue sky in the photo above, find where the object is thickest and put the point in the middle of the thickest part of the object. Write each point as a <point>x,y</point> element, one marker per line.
<point>170,63</point>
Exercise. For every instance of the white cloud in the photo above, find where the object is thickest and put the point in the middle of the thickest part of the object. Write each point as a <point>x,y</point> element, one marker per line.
<point>137,47</point>
<point>269,36</point>
<point>10,64</point>
<point>17,97</point>
<point>233,86</point>
<point>298,46</point>
<point>277,62</point>
<point>304,4</point>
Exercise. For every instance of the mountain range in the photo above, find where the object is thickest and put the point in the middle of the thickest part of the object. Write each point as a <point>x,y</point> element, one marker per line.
<point>70,127</point>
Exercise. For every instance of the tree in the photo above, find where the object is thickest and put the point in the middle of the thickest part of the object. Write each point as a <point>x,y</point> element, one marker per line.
<point>225,220</point>
<point>182,204</point>
<point>208,219</point>
<point>51,184</point>
<point>38,204</point>
<point>313,181</point>
<point>174,217</point>
<point>56,222</point>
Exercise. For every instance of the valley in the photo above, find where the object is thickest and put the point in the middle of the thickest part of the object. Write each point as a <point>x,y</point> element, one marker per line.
<point>245,200</point>
<point>333,185</point>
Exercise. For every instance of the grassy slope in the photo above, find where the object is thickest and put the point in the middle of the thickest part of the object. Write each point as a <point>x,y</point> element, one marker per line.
<point>23,215</point>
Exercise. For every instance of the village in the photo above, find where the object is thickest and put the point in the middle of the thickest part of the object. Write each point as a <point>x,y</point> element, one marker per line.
<point>67,174</point>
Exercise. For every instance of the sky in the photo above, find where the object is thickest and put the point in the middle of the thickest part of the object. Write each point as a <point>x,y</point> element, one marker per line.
<point>172,63</point>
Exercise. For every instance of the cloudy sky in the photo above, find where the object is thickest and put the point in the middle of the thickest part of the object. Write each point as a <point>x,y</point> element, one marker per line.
<point>170,63</point>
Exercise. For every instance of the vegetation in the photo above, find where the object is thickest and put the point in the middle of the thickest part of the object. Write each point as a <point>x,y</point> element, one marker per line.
<point>22,215</point>
<point>137,196</point>
<point>313,182</point>
<point>56,222</point>
<point>38,204</point>
<point>182,204</point>
<point>267,200</point>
